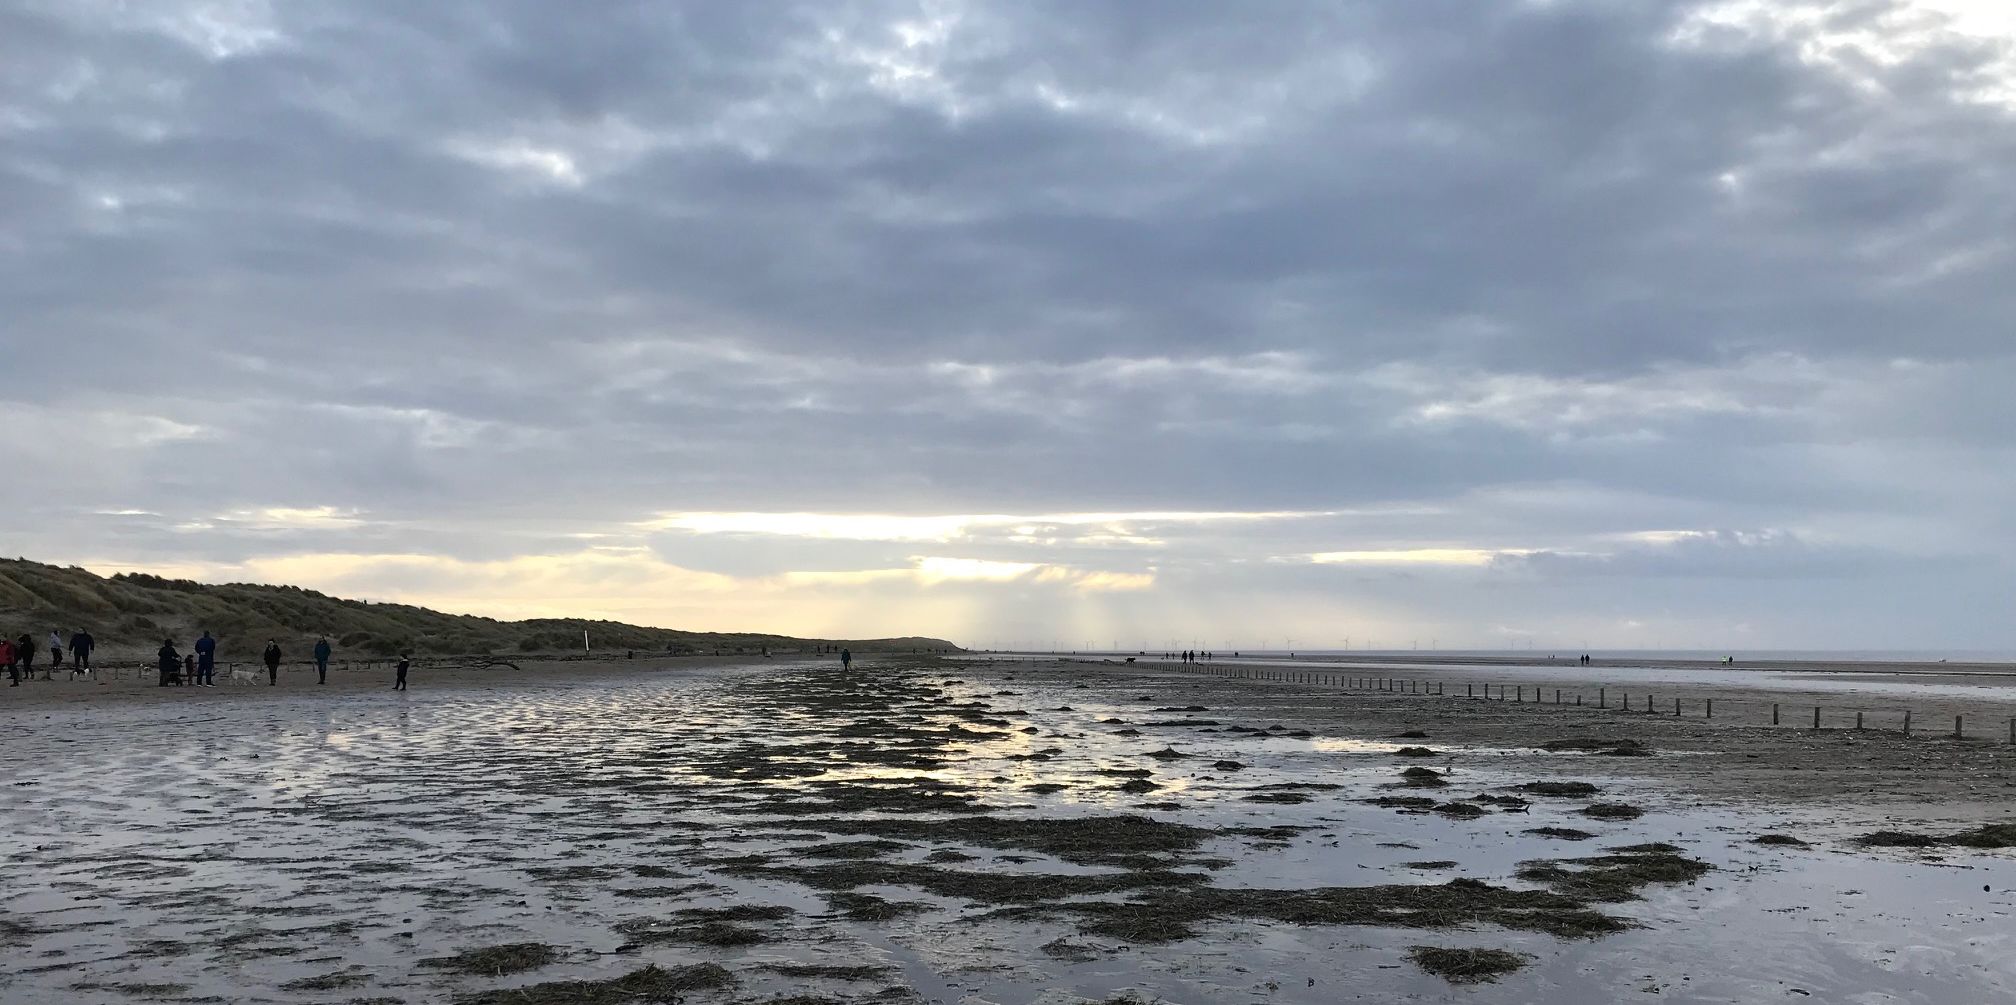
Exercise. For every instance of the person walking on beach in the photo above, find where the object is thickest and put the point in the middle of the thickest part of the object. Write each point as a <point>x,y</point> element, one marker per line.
<point>846,659</point>
<point>81,644</point>
<point>55,649</point>
<point>24,650</point>
<point>206,661</point>
<point>7,659</point>
<point>405,663</point>
<point>272,656</point>
<point>168,661</point>
<point>322,652</point>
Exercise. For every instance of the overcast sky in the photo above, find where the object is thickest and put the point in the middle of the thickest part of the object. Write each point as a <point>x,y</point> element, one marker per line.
<point>1618,323</point>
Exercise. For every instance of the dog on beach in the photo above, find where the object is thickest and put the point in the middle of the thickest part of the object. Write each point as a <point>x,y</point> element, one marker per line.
<point>244,676</point>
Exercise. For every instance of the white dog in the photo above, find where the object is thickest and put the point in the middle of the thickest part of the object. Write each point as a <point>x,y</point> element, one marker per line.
<point>244,676</point>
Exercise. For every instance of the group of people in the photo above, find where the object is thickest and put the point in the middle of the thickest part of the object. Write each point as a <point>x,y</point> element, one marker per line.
<point>18,655</point>
<point>199,667</point>
<point>1191,655</point>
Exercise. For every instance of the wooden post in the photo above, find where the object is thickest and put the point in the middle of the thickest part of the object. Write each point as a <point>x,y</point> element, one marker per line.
<point>1957,734</point>
<point>1557,696</point>
<point>1907,723</point>
<point>1858,722</point>
<point>1469,690</point>
<point>1676,708</point>
<point>1774,713</point>
<point>1711,708</point>
<point>1602,699</point>
<point>1816,717</point>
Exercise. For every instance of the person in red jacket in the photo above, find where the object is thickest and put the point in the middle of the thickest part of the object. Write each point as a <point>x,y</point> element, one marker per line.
<point>7,657</point>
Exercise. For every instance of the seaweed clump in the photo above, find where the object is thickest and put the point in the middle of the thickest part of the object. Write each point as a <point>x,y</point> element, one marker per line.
<point>1569,789</point>
<point>1079,840</point>
<point>827,971</point>
<point>1174,914</point>
<point>509,958</point>
<point>1617,876</point>
<point>1613,811</point>
<point>1985,836</point>
<point>1785,840</point>
<point>1466,966</point>
<point>650,984</point>
<point>1593,745</point>
<point>868,907</point>
<point>706,926</point>
<point>1563,833</point>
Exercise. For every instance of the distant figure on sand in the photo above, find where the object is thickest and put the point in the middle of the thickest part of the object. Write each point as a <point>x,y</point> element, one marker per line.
<point>322,652</point>
<point>81,644</point>
<point>169,662</point>
<point>24,650</point>
<point>272,656</point>
<point>846,659</point>
<point>206,661</point>
<point>55,649</point>
<point>405,662</point>
<point>7,659</point>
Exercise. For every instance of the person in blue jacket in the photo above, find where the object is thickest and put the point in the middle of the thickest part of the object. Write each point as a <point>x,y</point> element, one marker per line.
<point>322,652</point>
<point>206,661</point>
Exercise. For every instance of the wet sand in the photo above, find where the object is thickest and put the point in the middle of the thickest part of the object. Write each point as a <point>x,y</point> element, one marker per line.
<point>130,681</point>
<point>959,832</point>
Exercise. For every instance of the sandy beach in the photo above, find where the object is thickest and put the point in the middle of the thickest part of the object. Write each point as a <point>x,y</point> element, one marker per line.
<point>974,831</point>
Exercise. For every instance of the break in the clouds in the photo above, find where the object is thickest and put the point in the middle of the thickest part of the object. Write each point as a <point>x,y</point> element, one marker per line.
<point>1574,322</point>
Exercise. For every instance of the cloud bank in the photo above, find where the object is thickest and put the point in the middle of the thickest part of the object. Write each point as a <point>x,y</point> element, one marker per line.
<point>1659,324</point>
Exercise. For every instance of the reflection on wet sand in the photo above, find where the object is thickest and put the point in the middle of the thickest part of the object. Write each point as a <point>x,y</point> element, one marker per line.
<point>894,834</point>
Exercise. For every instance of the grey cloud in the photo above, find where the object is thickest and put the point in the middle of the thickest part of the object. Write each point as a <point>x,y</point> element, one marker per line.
<point>494,275</point>
<point>1725,554</point>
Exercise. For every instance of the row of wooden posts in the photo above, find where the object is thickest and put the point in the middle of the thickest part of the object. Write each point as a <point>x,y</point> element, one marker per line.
<point>1397,685</point>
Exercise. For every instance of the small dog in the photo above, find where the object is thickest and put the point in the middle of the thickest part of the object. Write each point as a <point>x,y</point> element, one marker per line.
<point>244,676</point>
